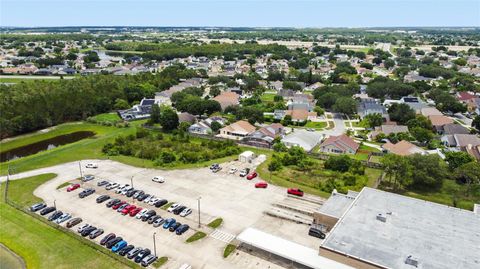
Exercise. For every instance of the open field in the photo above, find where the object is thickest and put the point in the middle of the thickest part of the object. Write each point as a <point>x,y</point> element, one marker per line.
<point>20,78</point>
<point>51,248</point>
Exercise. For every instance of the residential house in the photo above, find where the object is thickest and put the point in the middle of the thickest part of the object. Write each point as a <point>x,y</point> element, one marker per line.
<point>414,76</point>
<point>339,144</point>
<point>237,130</point>
<point>302,138</point>
<point>403,148</point>
<point>430,111</point>
<point>265,136</point>
<point>388,129</point>
<point>227,99</point>
<point>186,117</point>
<point>203,127</point>
<point>463,97</point>
<point>453,128</point>
<point>301,115</point>
<point>438,121</point>
<point>371,106</point>
<point>140,111</point>
<point>460,140</point>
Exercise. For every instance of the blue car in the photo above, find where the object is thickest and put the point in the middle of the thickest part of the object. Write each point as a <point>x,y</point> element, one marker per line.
<point>168,222</point>
<point>119,246</point>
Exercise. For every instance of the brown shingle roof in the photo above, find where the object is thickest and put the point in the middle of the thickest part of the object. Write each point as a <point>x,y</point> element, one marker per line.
<point>440,120</point>
<point>342,141</point>
<point>402,148</point>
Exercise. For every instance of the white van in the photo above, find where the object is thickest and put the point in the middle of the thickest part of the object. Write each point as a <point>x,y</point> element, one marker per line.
<point>185,266</point>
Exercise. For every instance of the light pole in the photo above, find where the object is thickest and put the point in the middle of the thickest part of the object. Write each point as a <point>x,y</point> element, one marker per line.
<point>54,204</point>
<point>198,204</point>
<point>131,182</point>
<point>80,167</point>
<point>154,244</point>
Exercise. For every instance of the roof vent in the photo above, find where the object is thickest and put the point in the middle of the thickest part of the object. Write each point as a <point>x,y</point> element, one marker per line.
<point>412,261</point>
<point>382,217</point>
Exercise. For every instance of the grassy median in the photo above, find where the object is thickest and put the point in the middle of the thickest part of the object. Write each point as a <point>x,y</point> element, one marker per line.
<point>39,244</point>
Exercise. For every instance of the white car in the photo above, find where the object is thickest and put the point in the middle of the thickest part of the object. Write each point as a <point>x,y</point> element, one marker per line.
<point>187,211</point>
<point>158,179</point>
<point>91,165</point>
<point>172,207</point>
<point>121,188</point>
<point>149,197</point>
<point>112,186</point>
<point>126,189</point>
<point>153,201</point>
<point>141,213</point>
<point>232,170</point>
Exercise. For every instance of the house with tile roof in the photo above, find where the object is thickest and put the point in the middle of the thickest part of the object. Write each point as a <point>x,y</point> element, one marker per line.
<point>341,144</point>
<point>438,121</point>
<point>227,99</point>
<point>237,130</point>
<point>403,148</point>
<point>388,129</point>
<point>265,136</point>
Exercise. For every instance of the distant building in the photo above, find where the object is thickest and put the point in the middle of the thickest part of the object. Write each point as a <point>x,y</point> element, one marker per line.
<point>137,112</point>
<point>227,99</point>
<point>403,148</point>
<point>302,138</point>
<point>237,130</point>
<point>371,106</point>
<point>388,129</point>
<point>264,136</point>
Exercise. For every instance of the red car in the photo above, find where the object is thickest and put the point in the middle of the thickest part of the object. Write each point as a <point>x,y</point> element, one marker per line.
<point>73,187</point>
<point>261,185</point>
<point>297,192</point>
<point>127,209</point>
<point>135,211</point>
<point>252,175</point>
<point>115,207</point>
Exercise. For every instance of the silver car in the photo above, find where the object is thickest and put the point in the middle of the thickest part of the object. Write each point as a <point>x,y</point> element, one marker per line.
<point>63,218</point>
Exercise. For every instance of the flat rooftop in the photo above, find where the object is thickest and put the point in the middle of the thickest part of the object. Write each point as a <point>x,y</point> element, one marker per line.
<point>435,235</point>
<point>337,204</point>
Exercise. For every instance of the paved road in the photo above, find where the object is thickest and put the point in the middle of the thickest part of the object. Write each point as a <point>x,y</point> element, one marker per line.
<point>339,126</point>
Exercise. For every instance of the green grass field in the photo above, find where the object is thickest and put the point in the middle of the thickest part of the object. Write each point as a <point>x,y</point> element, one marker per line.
<point>40,245</point>
<point>107,117</point>
<point>316,125</point>
<point>267,97</point>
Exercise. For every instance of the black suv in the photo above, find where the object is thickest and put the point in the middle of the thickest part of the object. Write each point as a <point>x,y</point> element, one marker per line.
<point>142,254</point>
<point>160,203</point>
<point>179,209</point>
<point>47,210</point>
<point>316,233</point>
<point>148,215</point>
<point>112,242</point>
<point>102,198</point>
<point>112,202</point>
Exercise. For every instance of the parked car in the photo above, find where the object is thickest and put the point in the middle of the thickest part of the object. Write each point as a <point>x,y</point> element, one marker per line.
<point>47,210</point>
<point>134,252</point>
<point>81,228</point>
<point>168,222</point>
<point>141,255</point>
<point>141,213</point>
<point>146,261</point>
<point>117,206</point>
<point>262,184</point>
<point>149,197</point>
<point>111,186</point>
<point>119,246</point>
<point>113,242</point>
<point>121,188</point>
<point>297,192</point>
<point>153,201</point>
<point>158,179</point>
<point>125,250</point>
<point>148,215</point>
<point>213,166</point>
<point>107,238</point>
<point>152,219</point>
<point>102,183</point>
<point>158,222</point>
<point>91,165</point>
<point>57,214</point>
<point>88,178</point>
<point>135,211</point>
<point>172,207</point>
<point>179,210</point>
<point>38,206</point>
<point>87,231</point>
<point>244,172</point>
<point>112,202</point>
<point>126,190</point>
<point>73,187</point>
<point>127,209</point>
<point>160,203</point>
<point>96,233</point>
<point>143,197</point>
<point>216,169</point>
<point>63,218</point>
<point>316,233</point>
<point>86,193</point>
<point>122,207</point>
<point>102,198</point>
<point>174,226</point>
<point>181,229</point>
<point>232,170</point>
<point>187,211</point>
<point>252,175</point>
<point>130,192</point>
<point>73,222</point>
<point>137,194</point>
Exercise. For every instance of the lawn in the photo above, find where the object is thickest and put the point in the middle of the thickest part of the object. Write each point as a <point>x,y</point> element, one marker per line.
<point>267,97</point>
<point>40,245</point>
<point>316,125</point>
<point>215,223</point>
<point>107,117</point>
<point>196,236</point>
<point>228,250</point>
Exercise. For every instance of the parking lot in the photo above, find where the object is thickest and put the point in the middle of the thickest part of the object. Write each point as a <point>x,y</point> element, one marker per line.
<point>221,194</point>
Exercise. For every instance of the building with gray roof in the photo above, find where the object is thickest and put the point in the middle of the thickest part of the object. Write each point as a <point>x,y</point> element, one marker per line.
<point>386,230</point>
<point>302,138</point>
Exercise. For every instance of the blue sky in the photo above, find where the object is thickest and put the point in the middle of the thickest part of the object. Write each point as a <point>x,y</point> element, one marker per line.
<point>247,13</point>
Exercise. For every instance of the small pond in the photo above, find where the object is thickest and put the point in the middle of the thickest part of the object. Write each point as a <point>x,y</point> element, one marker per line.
<point>44,145</point>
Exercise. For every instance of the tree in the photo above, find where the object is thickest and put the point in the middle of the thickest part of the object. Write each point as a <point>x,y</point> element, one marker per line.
<point>476,123</point>
<point>339,163</point>
<point>155,114</point>
<point>345,105</point>
<point>456,159</point>
<point>428,171</point>
<point>421,134</point>
<point>389,63</point>
<point>398,168</point>
<point>468,174</point>
<point>401,113</point>
<point>294,156</point>
<point>214,91</point>
<point>168,118</point>
<point>374,120</point>
<point>279,147</point>
<point>275,164</point>
<point>167,157</point>
<point>215,126</point>
<point>120,104</point>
